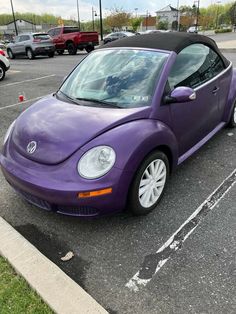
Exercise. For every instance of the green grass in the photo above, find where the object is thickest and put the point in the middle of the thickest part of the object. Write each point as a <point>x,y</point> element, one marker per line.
<point>16,297</point>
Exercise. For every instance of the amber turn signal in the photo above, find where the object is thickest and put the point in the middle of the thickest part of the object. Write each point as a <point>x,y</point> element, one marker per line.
<point>94,193</point>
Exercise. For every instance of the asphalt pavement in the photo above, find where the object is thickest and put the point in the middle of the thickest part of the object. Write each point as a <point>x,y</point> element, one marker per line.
<point>198,278</point>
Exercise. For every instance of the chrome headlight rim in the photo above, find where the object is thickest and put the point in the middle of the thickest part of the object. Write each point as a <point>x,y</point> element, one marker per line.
<point>9,130</point>
<point>87,154</point>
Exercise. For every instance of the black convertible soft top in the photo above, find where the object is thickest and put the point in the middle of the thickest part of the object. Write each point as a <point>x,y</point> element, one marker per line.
<point>166,41</point>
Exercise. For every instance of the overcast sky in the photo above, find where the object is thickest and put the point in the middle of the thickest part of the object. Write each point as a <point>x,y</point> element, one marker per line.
<point>67,8</point>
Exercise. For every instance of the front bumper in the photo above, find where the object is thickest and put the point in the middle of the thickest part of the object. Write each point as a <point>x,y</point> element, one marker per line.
<point>56,187</point>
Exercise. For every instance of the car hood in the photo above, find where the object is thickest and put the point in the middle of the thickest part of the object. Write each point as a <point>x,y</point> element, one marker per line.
<point>60,128</point>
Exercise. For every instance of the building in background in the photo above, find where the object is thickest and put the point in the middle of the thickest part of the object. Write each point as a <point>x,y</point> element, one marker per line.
<point>169,16</point>
<point>23,26</point>
<point>148,23</point>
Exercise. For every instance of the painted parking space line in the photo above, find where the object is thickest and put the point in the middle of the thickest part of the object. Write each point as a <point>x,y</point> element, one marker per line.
<point>13,71</point>
<point>30,80</point>
<point>24,102</point>
<point>154,262</point>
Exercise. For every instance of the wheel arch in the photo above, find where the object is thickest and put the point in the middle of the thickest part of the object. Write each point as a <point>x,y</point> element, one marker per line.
<point>3,65</point>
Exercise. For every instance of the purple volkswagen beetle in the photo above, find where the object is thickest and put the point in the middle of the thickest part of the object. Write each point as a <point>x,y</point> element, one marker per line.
<point>125,117</point>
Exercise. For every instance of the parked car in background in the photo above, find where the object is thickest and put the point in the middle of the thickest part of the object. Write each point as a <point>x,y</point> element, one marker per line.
<point>4,66</point>
<point>2,46</point>
<point>31,45</point>
<point>71,38</point>
<point>116,35</point>
<point>121,122</point>
<point>2,52</point>
<point>193,29</point>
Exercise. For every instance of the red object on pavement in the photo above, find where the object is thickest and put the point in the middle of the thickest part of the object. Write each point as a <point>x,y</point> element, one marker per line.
<point>2,53</point>
<point>21,98</point>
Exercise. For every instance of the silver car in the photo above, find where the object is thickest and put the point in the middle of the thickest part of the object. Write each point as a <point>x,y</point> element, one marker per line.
<point>31,45</point>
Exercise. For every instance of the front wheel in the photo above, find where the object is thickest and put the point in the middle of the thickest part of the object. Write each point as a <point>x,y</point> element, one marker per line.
<point>2,72</point>
<point>232,121</point>
<point>10,54</point>
<point>149,184</point>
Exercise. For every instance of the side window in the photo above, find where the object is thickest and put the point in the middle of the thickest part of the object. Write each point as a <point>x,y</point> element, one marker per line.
<point>57,31</point>
<point>22,38</point>
<point>51,32</point>
<point>195,65</point>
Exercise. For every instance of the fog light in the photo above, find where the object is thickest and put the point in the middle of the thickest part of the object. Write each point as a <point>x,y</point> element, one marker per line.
<point>94,193</point>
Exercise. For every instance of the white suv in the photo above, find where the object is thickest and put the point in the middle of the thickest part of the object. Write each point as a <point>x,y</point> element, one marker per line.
<point>4,66</point>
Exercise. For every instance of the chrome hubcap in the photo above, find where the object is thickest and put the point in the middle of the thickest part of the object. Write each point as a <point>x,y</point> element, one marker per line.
<point>152,183</point>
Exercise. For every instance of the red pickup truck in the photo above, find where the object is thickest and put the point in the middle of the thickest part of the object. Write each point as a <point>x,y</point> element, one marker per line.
<point>70,38</point>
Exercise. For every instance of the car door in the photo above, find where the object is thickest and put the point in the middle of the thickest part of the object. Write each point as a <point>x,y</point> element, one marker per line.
<point>15,45</point>
<point>20,45</point>
<point>194,120</point>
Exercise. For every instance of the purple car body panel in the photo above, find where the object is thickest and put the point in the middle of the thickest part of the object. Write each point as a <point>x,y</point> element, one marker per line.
<point>65,132</point>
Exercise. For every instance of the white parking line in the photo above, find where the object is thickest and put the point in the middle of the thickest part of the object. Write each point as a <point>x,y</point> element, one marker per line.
<point>24,102</point>
<point>35,79</point>
<point>154,262</point>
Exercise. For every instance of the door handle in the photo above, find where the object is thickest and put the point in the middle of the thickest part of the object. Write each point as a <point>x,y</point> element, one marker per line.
<point>215,90</point>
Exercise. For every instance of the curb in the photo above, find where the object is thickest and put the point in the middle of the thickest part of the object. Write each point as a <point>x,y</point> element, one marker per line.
<point>230,50</point>
<point>58,290</point>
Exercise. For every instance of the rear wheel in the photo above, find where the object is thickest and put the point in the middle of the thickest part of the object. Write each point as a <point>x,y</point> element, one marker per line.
<point>2,72</point>
<point>89,48</point>
<point>30,53</point>
<point>149,184</point>
<point>71,49</point>
<point>60,52</point>
<point>10,54</point>
<point>232,122</point>
<point>51,54</point>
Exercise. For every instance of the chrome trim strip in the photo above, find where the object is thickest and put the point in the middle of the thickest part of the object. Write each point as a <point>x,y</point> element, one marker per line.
<point>214,78</point>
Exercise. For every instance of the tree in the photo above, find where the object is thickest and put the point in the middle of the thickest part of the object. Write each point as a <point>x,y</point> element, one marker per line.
<point>135,23</point>
<point>118,18</point>
<point>163,25</point>
<point>232,14</point>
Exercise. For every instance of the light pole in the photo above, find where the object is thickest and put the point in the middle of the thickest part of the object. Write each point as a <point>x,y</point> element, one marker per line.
<point>136,12</point>
<point>147,13</point>
<point>101,27</point>
<point>177,15</point>
<point>197,15</point>
<point>94,13</point>
<point>217,13</point>
<point>78,13</point>
<point>13,14</point>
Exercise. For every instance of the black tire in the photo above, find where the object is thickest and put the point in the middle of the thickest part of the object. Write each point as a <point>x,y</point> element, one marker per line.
<point>134,202</point>
<point>29,53</point>
<point>232,121</point>
<point>72,49</point>
<point>60,52</point>
<point>2,72</point>
<point>89,48</point>
<point>10,54</point>
<point>51,54</point>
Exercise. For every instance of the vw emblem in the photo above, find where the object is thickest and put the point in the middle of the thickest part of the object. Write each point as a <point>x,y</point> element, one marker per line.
<point>31,147</point>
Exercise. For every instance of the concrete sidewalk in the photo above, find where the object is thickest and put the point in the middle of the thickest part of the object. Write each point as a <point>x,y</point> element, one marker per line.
<point>59,291</point>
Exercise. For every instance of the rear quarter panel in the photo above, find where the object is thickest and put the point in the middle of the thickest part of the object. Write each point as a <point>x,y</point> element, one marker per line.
<point>231,97</point>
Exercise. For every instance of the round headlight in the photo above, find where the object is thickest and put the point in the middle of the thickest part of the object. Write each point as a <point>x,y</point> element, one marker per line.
<point>96,162</point>
<point>8,132</point>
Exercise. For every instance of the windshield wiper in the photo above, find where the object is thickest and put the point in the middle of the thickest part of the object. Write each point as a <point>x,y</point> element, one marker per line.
<point>68,97</point>
<point>106,103</point>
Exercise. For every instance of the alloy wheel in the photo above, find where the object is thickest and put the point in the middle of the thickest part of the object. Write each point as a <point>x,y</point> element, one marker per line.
<point>152,183</point>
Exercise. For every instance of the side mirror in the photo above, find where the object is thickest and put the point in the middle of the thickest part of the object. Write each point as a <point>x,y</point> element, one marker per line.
<point>181,94</point>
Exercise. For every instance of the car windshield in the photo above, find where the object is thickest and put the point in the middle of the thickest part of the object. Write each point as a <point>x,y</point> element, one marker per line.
<point>123,78</point>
